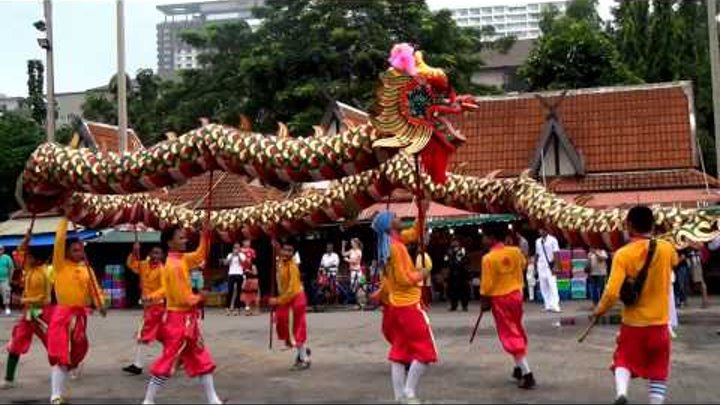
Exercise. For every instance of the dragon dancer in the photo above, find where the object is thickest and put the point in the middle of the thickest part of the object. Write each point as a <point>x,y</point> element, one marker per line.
<point>150,272</point>
<point>36,307</point>
<point>75,288</point>
<point>181,336</point>
<point>643,345</point>
<point>405,323</point>
<point>291,307</point>
<point>501,291</point>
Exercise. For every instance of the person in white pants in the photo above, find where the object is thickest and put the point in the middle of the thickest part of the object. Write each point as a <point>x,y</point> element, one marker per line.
<point>546,261</point>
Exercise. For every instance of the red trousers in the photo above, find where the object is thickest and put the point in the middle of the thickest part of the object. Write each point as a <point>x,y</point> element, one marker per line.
<point>408,329</point>
<point>67,336</point>
<point>182,344</point>
<point>386,319</point>
<point>644,350</point>
<point>151,323</point>
<point>508,312</point>
<point>24,330</point>
<point>291,317</point>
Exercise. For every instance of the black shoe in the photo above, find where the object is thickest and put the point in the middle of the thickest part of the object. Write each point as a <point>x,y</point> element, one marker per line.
<point>451,309</point>
<point>132,369</point>
<point>527,382</point>
<point>517,374</point>
<point>465,309</point>
<point>621,400</point>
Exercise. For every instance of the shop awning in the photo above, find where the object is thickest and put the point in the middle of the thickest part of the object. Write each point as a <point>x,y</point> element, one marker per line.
<point>477,219</point>
<point>409,210</point>
<point>47,239</point>
<point>117,236</point>
<point>19,226</point>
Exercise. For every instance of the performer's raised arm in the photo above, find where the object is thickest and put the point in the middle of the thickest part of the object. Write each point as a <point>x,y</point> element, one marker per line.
<point>196,258</point>
<point>58,261</point>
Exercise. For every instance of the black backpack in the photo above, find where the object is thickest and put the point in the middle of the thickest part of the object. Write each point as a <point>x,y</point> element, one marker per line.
<point>632,287</point>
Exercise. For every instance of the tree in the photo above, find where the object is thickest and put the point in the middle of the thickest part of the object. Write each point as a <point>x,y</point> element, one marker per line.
<point>19,136</point>
<point>630,32</point>
<point>36,98</point>
<point>98,107</point>
<point>665,42</point>
<point>307,53</point>
<point>574,54</point>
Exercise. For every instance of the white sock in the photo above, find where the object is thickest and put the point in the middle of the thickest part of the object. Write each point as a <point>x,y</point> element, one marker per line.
<point>209,386</point>
<point>656,391</point>
<point>523,364</point>
<point>58,375</point>
<point>302,353</point>
<point>622,379</point>
<point>413,378</point>
<point>138,362</point>
<point>153,387</point>
<point>397,373</point>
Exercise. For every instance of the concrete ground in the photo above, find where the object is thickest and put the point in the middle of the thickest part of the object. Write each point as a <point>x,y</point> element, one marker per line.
<point>349,362</point>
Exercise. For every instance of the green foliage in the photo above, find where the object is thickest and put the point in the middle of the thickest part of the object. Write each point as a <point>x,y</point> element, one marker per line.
<point>19,136</point>
<point>36,97</point>
<point>574,54</point>
<point>99,107</point>
<point>308,53</point>
<point>665,41</point>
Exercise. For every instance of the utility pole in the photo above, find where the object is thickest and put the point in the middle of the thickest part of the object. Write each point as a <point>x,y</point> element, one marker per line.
<point>50,117</point>
<point>121,78</point>
<point>715,69</point>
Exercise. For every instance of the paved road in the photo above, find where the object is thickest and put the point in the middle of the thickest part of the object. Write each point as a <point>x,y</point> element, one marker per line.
<point>349,362</point>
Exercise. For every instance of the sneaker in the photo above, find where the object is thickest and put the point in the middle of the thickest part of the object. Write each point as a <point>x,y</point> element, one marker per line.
<point>621,400</point>
<point>6,385</point>
<point>7,311</point>
<point>301,365</point>
<point>132,369</point>
<point>517,374</point>
<point>527,382</point>
<point>58,401</point>
<point>411,401</point>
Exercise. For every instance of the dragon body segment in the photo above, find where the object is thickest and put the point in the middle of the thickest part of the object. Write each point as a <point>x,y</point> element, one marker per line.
<point>365,164</point>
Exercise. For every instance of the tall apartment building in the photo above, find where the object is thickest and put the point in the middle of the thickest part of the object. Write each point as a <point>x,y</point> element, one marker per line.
<point>511,18</point>
<point>173,53</point>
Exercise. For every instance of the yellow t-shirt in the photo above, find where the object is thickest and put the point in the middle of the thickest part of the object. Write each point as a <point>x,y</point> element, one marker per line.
<point>502,271</point>
<point>150,276</point>
<point>653,306</point>
<point>74,282</point>
<point>176,287</point>
<point>288,281</point>
<point>404,277</point>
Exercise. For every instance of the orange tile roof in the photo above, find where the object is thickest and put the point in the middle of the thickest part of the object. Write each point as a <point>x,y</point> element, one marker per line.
<point>626,128</point>
<point>689,198</point>
<point>106,137</point>
<point>229,191</point>
<point>648,180</point>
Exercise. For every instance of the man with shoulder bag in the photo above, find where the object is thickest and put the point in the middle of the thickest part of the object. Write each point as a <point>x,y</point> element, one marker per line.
<point>641,278</point>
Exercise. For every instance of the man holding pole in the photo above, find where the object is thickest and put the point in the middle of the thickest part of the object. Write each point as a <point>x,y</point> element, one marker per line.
<point>405,323</point>
<point>501,291</point>
<point>643,345</point>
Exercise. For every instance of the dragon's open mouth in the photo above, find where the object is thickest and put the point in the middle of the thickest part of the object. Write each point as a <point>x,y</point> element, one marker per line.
<point>453,134</point>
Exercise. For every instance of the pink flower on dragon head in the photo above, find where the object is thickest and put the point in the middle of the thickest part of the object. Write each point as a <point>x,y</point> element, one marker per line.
<point>402,58</point>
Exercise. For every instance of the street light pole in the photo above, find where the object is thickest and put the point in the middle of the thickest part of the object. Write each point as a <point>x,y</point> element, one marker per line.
<point>715,69</point>
<point>50,117</point>
<point>121,82</point>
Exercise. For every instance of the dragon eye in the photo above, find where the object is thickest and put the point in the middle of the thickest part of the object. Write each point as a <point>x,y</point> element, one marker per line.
<point>419,99</point>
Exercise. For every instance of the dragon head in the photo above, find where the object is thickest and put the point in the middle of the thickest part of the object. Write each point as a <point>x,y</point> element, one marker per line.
<point>413,106</point>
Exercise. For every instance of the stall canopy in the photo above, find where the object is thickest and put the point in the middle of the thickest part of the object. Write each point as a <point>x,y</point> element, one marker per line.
<point>470,220</point>
<point>117,236</point>
<point>47,239</point>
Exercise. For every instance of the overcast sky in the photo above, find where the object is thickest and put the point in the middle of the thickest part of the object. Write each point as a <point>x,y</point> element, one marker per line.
<point>85,45</point>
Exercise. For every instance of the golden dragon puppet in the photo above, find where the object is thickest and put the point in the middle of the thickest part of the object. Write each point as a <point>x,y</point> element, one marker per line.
<point>364,162</point>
